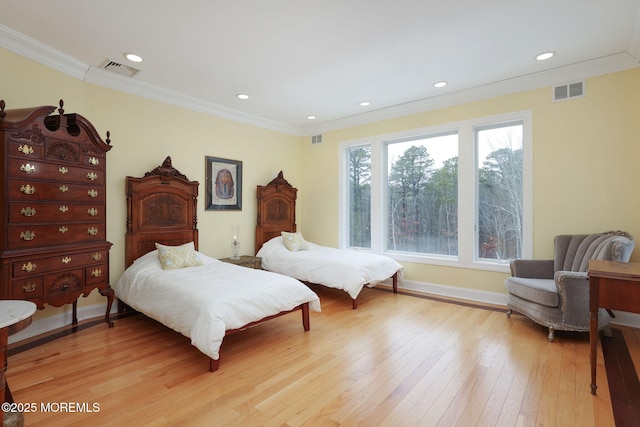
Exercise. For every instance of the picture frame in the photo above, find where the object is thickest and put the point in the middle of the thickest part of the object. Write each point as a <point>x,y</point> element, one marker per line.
<point>223,184</point>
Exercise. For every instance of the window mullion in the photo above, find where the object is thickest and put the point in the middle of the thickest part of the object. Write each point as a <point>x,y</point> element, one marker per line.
<point>466,195</point>
<point>378,175</point>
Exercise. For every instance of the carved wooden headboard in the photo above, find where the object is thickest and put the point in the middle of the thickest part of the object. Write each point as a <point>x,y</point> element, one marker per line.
<point>276,210</point>
<point>162,208</point>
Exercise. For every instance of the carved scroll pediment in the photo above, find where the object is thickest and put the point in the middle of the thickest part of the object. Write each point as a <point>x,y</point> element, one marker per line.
<point>166,170</point>
<point>34,134</point>
<point>279,180</point>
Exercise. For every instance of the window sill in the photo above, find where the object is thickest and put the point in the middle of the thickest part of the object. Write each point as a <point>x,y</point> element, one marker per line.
<point>500,266</point>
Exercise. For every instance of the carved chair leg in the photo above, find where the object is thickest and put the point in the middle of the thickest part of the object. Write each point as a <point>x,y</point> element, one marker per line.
<point>551,333</point>
<point>509,311</point>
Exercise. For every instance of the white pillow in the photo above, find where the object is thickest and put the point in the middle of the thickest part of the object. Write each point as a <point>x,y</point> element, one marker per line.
<point>173,257</point>
<point>294,241</point>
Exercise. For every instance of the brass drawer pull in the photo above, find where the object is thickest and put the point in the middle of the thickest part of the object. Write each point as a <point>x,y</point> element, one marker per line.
<point>29,267</point>
<point>63,229</point>
<point>93,192</point>
<point>94,161</point>
<point>28,211</point>
<point>28,287</point>
<point>25,149</point>
<point>28,189</point>
<point>92,176</point>
<point>63,170</point>
<point>93,231</point>
<point>96,273</point>
<point>27,235</point>
<point>92,211</point>
<point>63,208</point>
<point>63,188</point>
<point>66,260</point>
<point>27,168</point>
<point>96,256</point>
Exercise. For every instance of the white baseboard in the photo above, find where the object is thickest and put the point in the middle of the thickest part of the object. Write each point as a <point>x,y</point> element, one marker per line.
<point>472,295</point>
<point>622,318</point>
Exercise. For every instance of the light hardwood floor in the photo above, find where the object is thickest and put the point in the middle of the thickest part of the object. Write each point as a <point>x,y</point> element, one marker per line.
<point>398,360</point>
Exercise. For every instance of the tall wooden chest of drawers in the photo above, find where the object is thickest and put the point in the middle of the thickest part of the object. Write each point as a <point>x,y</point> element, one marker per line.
<point>53,245</point>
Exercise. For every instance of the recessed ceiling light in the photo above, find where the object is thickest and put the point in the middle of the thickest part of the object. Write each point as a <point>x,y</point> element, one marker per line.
<point>365,103</point>
<point>133,57</point>
<point>242,96</point>
<point>440,84</point>
<point>545,55</point>
<point>311,117</point>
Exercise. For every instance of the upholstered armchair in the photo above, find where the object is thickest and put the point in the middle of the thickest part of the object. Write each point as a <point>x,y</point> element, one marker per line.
<point>555,293</point>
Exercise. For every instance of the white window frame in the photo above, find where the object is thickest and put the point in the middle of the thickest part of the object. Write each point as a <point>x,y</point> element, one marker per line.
<point>467,197</point>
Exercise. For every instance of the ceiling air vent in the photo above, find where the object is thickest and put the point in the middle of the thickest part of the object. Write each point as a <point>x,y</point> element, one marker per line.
<point>316,139</point>
<point>118,68</point>
<point>567,91</point>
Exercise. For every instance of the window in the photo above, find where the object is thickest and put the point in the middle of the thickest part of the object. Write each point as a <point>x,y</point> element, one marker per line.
<point>360,197</point>
<point>499,190</point>
<point>457,194</point>
<point>422,189</point>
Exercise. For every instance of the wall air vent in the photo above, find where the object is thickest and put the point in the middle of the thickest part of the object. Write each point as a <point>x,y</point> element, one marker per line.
<point>316,139</point>
<point>118,68</point>
<point>567,91</point>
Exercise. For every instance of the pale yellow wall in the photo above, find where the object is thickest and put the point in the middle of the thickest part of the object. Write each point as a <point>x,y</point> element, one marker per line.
<point>586,158</point>
<point>143,133</point>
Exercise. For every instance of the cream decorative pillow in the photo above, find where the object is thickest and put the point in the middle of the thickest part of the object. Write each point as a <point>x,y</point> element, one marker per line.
<point>173,257</point>
<point>294,241</point>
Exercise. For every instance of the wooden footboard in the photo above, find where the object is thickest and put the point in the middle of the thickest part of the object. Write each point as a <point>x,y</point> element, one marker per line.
<point>214,364</point>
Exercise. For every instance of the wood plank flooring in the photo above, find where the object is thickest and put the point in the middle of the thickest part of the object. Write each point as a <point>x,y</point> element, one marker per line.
<point>398,360</point>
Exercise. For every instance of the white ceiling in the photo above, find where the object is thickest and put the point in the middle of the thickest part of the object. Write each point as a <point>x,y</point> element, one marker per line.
<point>300,57</point>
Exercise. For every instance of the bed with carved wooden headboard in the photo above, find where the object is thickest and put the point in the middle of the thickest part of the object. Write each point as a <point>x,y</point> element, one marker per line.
<point>168,279</point>
<point>283,250</point>
<point>161,208</point>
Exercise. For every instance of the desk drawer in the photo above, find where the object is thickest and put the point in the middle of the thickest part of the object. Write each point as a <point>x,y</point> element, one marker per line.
<point>59,192</point>
<point>32,169</point>
<point>39,212</point>
<point>63,261</point>
<point>35,236</point>
<point>29,288</point>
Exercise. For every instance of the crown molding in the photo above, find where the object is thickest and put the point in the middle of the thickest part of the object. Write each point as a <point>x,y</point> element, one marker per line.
<point>105,78</point>
<point>22,45</point>
<point>32,49</point>
<point>29,48</point>
<point>561,75</point>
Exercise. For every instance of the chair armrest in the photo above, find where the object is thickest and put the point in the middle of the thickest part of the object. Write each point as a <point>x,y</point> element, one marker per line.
<point>532,268</point>
<point>573,290</point>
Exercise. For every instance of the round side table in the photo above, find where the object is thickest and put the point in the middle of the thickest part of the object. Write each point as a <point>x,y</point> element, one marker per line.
<point>15,315</point>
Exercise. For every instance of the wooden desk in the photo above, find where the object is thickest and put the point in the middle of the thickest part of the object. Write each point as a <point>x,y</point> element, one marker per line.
<point>612,285</point>
<point>15,315</point>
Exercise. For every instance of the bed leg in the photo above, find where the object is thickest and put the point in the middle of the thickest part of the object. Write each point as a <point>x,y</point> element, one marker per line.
<point>355,303</point>
<point>395,282</point>
<point>305,316</point>
<point>214,364</point>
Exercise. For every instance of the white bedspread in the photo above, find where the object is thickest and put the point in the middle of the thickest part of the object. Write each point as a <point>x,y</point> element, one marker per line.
<point>203,302</point>
<point>344,269</point>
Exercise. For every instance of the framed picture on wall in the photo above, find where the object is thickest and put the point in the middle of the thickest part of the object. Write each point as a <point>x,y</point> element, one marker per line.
<point>223,184</point>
